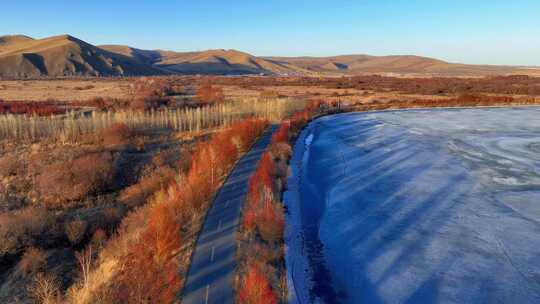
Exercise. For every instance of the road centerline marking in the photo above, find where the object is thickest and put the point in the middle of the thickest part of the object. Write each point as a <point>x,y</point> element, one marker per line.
<point>207,294</point>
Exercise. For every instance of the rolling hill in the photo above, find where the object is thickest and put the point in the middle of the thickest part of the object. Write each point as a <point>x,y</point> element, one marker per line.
<point>215,62</point>
<point>22,56</point>
<point>405,64</point>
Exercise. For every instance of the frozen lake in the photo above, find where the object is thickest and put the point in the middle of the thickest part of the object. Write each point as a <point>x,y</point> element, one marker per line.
<point>419,206</point>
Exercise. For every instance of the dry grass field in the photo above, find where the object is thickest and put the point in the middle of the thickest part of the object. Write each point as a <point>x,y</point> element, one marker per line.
<point>68,90</point>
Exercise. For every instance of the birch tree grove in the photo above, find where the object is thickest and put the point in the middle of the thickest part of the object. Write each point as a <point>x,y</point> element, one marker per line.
<point>71,126</point>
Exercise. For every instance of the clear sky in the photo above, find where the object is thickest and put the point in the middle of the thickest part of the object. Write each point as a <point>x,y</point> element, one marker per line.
<point>468,31</point>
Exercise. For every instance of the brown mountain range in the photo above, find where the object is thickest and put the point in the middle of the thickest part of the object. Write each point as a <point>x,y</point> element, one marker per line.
<point>22,56</point>
<point>218,62</point>
<point>403,65</point>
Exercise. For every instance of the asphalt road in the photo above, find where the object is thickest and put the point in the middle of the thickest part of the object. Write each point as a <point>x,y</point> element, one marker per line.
<point>211,273</point>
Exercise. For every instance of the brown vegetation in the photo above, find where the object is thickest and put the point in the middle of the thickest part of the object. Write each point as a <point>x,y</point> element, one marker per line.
<point>153,92</point>
<point>74,126</point>
<point>82,183</point>
<point>75,230</point>
<point>90,174</point>
<point>467,100</point>
<point>150,271</point>
<point>207,93</point>
<point>89,177</point>
<point>118,134</point>
<point>45,289</point>
<point>32,262</point>
<point>63,90</point>
<point>8,165</point>
<point>23,228</point>
<point>47,108</point>
<point>255,287</point>
<point>261,248</point>
<point>68,181</point>
<point>511,85</point>
<point>154,243</point>
<point>137,194</point>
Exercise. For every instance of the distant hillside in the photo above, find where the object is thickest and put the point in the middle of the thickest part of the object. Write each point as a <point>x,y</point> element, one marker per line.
<point>365,64</point>
<point>217,62</point>
<point>22,56</point>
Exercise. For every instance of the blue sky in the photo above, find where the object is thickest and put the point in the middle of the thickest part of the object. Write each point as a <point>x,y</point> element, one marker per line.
<point>474,31</point>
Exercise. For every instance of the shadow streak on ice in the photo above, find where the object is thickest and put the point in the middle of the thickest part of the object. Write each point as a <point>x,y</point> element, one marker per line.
<point>416,206</point>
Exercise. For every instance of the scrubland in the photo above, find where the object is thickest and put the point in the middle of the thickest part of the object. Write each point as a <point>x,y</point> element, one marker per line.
<point>104,183</point>
<point>65,90</point>
<point>90,196</point>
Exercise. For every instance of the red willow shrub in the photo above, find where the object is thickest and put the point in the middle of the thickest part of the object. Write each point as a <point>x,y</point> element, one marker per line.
<point>31,108</point>
<point>263,221</point>
<point>152,87</point>
<point>151,270</point>
<point>466,100</point>
<point>256,289</point>
<point>512,84</point>
<point>150,273</point>
<point>152,92</point>
<point>282,134</point>
<point>245,129</point>
<point>262,212</point>
<point>207,93</point>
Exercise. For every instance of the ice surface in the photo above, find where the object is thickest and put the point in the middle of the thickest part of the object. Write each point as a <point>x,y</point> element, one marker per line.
<point>419,206</point>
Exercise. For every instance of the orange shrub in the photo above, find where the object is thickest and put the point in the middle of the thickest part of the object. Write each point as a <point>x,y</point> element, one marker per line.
<point>150,274</point>
<point>271,222</point>
<point>151,271</point>
<point>247,129</point>
<point>249,220</point>
<point>282,134</point>
<point>207,93</point>
<point>40,108</point>
<point>256,288</point>
<point>263,219</point>
<point>261,183</point>
<point>152,89</point>
<point>116,134</point>
<point>137,194</point>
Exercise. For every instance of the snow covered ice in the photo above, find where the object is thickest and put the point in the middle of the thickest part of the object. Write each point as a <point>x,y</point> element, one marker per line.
<point>417,206</point>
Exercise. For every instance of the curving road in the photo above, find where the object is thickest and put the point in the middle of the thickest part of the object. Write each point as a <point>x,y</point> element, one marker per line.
<point>211,273</point>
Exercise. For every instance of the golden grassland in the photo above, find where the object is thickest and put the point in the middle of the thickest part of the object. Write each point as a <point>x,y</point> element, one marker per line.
<point>68,90</point>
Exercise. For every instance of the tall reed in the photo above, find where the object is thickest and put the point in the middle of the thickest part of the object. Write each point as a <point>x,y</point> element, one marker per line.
<point>71,126</point>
